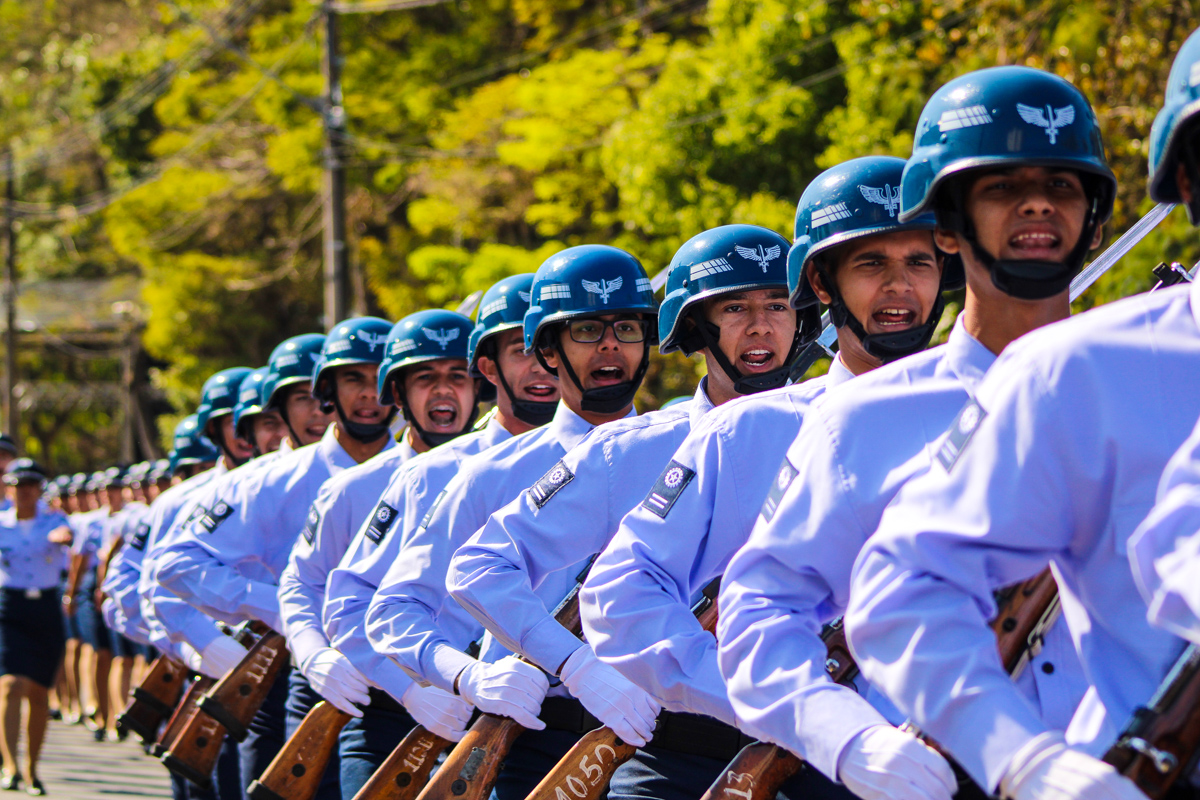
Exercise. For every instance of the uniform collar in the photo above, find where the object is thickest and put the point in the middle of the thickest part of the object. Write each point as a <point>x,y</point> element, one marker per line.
<point>330,450</point>
<point>837,373</point>
<point>701,404</point>
<point>568,428</point>
<point>966,357</point>
<point>493,433</point>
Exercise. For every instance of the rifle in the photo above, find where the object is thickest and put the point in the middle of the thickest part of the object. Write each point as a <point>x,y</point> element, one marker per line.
<point>183,714</point>
<point>471,768</point>
<point>227,708</point>
<point>761,768</point>
<point>153,700</point>
<point>404,773</point>
<point>1162,740</point>
<point>296,771</point>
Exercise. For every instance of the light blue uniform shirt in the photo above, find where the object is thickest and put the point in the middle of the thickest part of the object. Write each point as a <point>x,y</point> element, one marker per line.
<point>1057,462</point>
<point>27,560</point>
<point>402,505</point>
<point>556,523</point>
<point>1165,550</point>
<point>342,503</point>
<point>859,444</point>
<point>636,603</point>
<point>412,617</point>
<point>121,609</point>
<point>227,562</point>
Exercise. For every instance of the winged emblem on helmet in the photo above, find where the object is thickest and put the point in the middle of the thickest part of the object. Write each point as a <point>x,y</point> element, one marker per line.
<point>764,256</point>
<point>888,197</point>
<point>442,336</point>
<point>525,296</point>
<point>372,340</point>
<point>1047,118</point>
<point>603,288</point>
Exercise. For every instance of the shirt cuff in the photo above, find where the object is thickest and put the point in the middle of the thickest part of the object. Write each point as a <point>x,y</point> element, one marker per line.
<point>447,663</point>
<point>827,716</point>
<point>549,644</point>
<point>305,643</point>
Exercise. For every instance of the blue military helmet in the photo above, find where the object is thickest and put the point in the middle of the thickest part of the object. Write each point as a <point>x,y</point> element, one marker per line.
<point>502,308</point>
<point>190,446</point>
<point>219,395</point>
<point>859,197</point>
<point>249,402</point>
<point>587,281</point>
<point>160,470</point>
<point>998,118</point>
<point>360,340</point>
<point>291,362</point>
<point>430,335</point>
<point>1175,136</point>
<point>731,258</point>
<point>78,483</point>
<point>24,470</point>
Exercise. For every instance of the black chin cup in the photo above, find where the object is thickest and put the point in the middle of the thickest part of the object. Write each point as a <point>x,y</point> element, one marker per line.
<point>607,399</point>
<point>705,334</point>
<point>326,393</point>
<point>429,437</point>
<point>887,347</point>
<point>531,412</point>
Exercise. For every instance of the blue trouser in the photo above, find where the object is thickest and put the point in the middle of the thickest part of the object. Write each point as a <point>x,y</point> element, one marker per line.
<point>533,754</point>
<point>266,732</point>
<point>658,774</point>
<point>300,700</point>
<point>365,742</point>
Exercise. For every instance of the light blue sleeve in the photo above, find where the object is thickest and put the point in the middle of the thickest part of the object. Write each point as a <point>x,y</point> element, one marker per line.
<point>302,584</point>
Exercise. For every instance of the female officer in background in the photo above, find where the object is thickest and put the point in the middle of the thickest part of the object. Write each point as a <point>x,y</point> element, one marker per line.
<point>32,549</point>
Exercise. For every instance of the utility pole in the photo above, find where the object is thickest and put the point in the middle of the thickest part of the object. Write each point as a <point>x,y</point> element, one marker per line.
<point>128,398</point>
<point>10,298</point>
<point>337,272</point>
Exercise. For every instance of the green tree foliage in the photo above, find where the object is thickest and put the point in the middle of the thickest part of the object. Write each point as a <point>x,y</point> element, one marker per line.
<point>182,140</point>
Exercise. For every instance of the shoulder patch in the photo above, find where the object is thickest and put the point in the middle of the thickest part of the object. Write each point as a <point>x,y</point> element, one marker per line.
<point>437,501</point>
<point>548,485</point>
<point>960,433</point>
<point>381,522</point>
<point>311,523</point>
<point>667,488</point>
<point>783,479</point>
<point>213,518</point>
<point>140,536</point>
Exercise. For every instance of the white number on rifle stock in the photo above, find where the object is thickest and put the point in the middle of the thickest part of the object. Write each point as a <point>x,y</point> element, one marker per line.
<point>592,774</point>
<point>738,778</point>
<point>416,756</point>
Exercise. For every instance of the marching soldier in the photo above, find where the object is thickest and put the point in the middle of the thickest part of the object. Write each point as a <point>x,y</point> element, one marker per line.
<point>526,398</point>
<point>637,601</point>
<point>1022,220</point>
<point>727,300</point>
<point>1053,460</point>
<point>424,372</point>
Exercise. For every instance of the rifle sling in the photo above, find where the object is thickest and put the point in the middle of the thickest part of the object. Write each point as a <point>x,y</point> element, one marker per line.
<point>142,696</point>
<point>232,725</point>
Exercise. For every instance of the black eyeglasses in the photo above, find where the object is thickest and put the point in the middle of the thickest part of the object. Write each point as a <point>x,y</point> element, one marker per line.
<point>590,331</point>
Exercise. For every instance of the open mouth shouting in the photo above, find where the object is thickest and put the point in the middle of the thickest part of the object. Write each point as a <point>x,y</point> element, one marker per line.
<point>443,415</point>
<point>894,318</point>
<point>608,375</point>
<point>1040,243</point>
<point>756,359</point>
<point>540,391</point>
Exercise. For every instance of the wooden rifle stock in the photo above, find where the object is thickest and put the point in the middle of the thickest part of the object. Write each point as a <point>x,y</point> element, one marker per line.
<point>296,771</point>
<point>406,771</point>
<point>227,708</point>
<point>1162,740</point>
<point>583,773</point>
<point>761,768</point>
<point>183,714</point>
<point>1025,612</point>
<point>153,701</point>
<point>471,768</point>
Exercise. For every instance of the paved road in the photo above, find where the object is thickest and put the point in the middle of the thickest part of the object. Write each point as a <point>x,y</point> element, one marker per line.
<point>75,767</point>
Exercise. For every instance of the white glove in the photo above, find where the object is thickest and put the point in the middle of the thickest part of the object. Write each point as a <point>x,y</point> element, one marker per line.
<point>886,763</point>
<point>510,687</point>
<point>220,656</point>
<point>621,705</point>
<point>439,711</point>
<point>1046,769</point>
<point>332,676</point>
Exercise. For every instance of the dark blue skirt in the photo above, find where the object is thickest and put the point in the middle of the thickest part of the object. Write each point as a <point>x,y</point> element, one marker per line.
<point>32,637</point>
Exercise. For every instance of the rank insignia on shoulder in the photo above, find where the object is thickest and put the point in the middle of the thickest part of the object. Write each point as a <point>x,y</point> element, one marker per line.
<point>667,488</point>
<point>219,513</point>
<point>960,433</point>
<point>437,501</point>
<point>311,523</point>
<point>548,485</point>
<point>140,536</point>
<point>381,522</point>
<point>783,479</point>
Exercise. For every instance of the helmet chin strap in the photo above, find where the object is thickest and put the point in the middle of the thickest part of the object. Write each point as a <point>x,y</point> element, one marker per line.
<point>288,423</point>
<point>710,334</point>
<point>531,412</point>
<point>886,347</point>
<point>429,437</point>
<point>606,399</point>
<point>226,450</point>
<point>1190,153</point>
